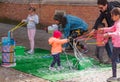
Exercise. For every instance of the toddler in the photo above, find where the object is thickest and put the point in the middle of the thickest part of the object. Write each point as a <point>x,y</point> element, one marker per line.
<point>56,44</point>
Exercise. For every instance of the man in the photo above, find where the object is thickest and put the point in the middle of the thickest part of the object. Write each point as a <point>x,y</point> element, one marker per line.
<point>105,8</point>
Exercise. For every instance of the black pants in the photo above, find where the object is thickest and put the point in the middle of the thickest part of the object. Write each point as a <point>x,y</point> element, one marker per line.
<point>56,59</point>
<point>115,55</point>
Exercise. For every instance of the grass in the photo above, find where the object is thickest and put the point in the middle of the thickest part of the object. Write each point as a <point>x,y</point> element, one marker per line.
<point>38,64</point>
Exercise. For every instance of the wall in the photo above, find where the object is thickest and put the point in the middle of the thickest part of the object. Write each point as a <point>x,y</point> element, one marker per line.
<point>88,13</point>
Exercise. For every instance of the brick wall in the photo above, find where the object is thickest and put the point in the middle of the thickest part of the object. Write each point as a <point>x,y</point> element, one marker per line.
<point>88,13</point>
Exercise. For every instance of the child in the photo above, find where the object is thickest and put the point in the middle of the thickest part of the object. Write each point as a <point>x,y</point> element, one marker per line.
<point>56,44</point>
<point>31,20</point>
<point>114,32</point>
<point>100,42</point>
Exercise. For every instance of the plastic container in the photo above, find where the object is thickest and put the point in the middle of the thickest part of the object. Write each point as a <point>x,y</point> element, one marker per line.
<point>8,58</point>
<point>52,28</point>
<point>19,50</point>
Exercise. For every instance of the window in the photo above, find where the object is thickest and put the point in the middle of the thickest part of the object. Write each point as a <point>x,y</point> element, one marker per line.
<point>60,12</point>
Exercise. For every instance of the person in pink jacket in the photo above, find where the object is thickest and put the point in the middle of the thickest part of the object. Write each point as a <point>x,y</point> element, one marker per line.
<point>100,42</point>
<point>114,32</point>
<point>56,44</point>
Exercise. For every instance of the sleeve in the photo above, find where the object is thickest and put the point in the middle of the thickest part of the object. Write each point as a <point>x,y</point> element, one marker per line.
<point>62,41</point>
<point>109,29</point>
<point>27,19</point>
<point>99,20</point>
<point>36,19</point>
<point>67,30</point>
<point>114,34</point>
<point>50,41</point>
<point>83,25</point>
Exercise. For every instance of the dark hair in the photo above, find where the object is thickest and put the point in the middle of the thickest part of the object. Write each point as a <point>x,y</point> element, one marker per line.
<point>58,17</point>
<point>102,2</point>
<point>61,18</point>
<point>115,11</point>
<point>32,9</point>
<point>101,25</point>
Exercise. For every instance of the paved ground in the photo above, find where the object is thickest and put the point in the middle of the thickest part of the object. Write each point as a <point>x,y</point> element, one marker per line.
<point>20,36</point>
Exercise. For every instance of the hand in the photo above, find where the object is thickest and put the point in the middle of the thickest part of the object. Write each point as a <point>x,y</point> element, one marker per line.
<point>100,30</point>
<point>70,38</point>
<point>106,35</point>
<point>63,49</point>
<point>23,20</point>
<point>31,19</point>
<point>91,33</point>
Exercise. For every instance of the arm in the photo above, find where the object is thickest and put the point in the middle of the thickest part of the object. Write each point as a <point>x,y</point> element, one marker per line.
<point>99,20</point>
<point>62,41</point>
<point>116,32</point>
<point>67,31</point>
<point>109,29</point>
<point>25,20</point>
<point>36,19</point>
<point>113,34</point>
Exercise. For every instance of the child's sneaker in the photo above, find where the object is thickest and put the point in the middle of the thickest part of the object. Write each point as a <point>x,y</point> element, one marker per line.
<point>60,68</point>
<point>30,52</point>
<point>111,79</point>
<point>52,68</point>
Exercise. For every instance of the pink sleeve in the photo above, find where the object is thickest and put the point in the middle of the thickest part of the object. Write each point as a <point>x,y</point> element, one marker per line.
<point>109,29</point>
<point>114,34</point>
<point>116,31</point>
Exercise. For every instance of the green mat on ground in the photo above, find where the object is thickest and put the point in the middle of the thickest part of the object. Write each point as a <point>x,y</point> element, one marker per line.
<point>38,64</point>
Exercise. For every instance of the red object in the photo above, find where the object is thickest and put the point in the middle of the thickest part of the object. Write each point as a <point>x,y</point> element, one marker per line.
<point>57,34</point>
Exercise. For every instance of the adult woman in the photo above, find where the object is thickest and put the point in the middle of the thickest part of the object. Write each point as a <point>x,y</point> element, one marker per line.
<point>71,25</point>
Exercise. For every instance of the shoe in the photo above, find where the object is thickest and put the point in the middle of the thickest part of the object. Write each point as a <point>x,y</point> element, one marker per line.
<point>60,68</point>
<point>85,51</point>
<point>30,52</point>
<point>109,61</point>
<point>112,79</point>
<point>118,79</point>
<point>52,68</point>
